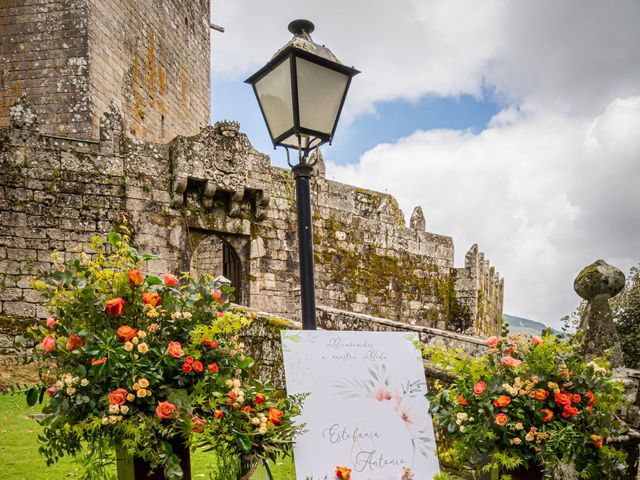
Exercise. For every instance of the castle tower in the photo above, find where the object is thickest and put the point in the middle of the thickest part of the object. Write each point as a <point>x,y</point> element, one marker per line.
<point>72,57</point>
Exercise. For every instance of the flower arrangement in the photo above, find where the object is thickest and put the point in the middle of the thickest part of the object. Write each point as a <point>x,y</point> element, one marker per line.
<point>137,360</point>
<point>530,401</point>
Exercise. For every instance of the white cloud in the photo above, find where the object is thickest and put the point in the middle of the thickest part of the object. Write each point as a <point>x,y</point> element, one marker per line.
<point>543,195</point>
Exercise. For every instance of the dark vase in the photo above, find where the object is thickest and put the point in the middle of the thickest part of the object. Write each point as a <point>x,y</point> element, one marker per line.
<point>134,468</point>
<point>533,472</point>
<point>248,466</point>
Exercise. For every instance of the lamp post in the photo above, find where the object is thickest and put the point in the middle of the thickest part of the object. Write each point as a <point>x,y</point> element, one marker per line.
<point>301,91</point>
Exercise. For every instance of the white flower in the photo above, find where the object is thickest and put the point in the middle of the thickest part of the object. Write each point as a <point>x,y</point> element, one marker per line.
<point>124,409</point>
<point>262,430</point>
<point>84,382</point>
<point>114,408</point>
<point>255,421</point>
<point>104,420</point>
<point>71,390</point>
<point>237,383</point>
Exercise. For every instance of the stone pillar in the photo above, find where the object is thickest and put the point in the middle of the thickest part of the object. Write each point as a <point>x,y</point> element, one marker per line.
<point>597,283</point>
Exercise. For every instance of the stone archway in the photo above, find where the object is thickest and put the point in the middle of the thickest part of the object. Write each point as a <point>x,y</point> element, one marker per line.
<point>215,255</point>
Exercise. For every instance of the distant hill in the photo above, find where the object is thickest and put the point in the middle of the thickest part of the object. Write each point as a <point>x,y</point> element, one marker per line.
<point>526,326</point>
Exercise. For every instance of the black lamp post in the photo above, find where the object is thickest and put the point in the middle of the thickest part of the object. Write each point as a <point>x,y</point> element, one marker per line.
<point>301,91</point>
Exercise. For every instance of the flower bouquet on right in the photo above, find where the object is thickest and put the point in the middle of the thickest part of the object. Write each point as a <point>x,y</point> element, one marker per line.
<point>529,404</point>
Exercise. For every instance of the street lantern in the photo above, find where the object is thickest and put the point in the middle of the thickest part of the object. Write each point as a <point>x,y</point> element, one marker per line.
<point>301,91</point>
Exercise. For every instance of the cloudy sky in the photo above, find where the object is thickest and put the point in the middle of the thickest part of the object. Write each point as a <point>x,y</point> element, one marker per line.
<point>515,125</point>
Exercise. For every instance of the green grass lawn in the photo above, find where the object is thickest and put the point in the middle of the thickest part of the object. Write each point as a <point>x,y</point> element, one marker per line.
<point>20,460</point>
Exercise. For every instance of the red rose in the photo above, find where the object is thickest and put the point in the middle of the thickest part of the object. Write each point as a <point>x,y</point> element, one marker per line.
<point>114,307</point>
<point>197,366</point>
<point>463,401</point>
<point>166,410</point>
<point>118,396</point>
<point>212,343</point>
<point>563,399</point>
<point>576,398</point>
<point>170,280</point>
<point>135,278</point>
<point>213,367</point>
<point>151,298</point>
<point>188,360</point>
<point>246,409</point>
<point>493,341</point>
<point>343,473</point>
<point>549,415</point>
<point>233,395</point>
<point>186,368</point>
<point>501,419</point>
<point>198,424</point>
<point>275,415</point>
<point>126,333</point>
<point>48,344</point>
<point>502,401</point>
<point>569,411</point>
<point>175,350</point>
<point>597,441</point>
<point>218,414</point>
<point>74,342</point>
<point>479,387</point>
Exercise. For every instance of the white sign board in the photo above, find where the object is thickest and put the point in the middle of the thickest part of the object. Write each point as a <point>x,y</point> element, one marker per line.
<point>366,408</point>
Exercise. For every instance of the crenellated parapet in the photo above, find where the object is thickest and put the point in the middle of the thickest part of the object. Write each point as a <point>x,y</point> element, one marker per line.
<point>479,295</point>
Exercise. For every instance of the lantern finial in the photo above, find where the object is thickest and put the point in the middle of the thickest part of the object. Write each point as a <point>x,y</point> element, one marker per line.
<point>301,27</point>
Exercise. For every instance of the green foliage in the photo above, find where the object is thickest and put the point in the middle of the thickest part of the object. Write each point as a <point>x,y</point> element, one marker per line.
<point>529,400</point>
<point>626,314</point>
<point>136,359</point>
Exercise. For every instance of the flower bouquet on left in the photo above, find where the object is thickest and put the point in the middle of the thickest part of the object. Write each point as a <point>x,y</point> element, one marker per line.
<point>137,361</point>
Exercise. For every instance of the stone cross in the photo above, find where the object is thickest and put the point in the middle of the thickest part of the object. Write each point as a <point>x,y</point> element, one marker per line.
<point>597,283</point>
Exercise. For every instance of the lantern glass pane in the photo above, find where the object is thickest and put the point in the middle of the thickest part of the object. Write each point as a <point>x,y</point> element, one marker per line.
<point>320,93</point>
<point>306,141</point>
<point>274,95</point>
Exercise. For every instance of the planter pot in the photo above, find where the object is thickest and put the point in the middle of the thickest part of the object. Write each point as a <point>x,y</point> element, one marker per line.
<point>248,466</point>
<point>133,468</point>
<point>534,472</point>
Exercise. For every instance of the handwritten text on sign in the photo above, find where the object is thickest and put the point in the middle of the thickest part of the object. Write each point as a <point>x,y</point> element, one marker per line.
<point>366,408</point>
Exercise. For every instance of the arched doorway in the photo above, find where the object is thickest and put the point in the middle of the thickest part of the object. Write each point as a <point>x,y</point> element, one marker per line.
<point>216,256</point>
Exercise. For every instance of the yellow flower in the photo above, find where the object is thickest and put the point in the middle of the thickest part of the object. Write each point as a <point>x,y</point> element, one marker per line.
<point>516,441</point>
<point>144,383</point>
<point>131,397</point>
<point>128,346</point>
<point>143,347</point>
<point>142,393</point>
<point>186,315</point>
<point>136,386</point>
<point>135,340</point>
<point>519,426</point>
<point>142,334</point>
<point>124,409</point>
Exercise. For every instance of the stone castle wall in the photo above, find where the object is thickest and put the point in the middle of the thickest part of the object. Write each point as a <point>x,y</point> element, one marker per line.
<point>195,196</point>
<point>73,57</point>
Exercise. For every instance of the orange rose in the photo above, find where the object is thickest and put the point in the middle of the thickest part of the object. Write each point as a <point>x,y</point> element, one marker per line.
<point>576,398</point>
<point>51,322</point>
<point>114,307</point>
<point>536,340</point>
<point>501,419</point>
<point>197,366</point>
<point>563,399</point>
<point>166,410</point>
<point>462,401</point>
<point>549,415</point>
<point>135,278</point>
<point>96,361</point>
<point>493,341</point>
<point>218,414</point>
<point>74,342</point>
<point>509,361</point>
<point>175,350</point>
<point>118,396</point>
<point>275,415</point>
<point>502,401</point>
<point>479,387</point>
<point>198,424</point>
<point>213,367</point>
<point>569,411</point>
<point>151,298</point>
<point>540,394</point>
<point>170,280</point>
<point>597,441</point>
<point>246,409</point>
<point>48,344</point>
<point>343,472</point>
<point>126,333</point>
<point>216,294</point>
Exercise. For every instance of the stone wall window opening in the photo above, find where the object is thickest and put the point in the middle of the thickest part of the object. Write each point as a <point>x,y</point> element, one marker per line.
<point>232,269</point>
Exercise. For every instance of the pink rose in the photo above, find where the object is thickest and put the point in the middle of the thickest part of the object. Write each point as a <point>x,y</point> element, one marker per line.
<point>175,350</point>
<point>51,323</point>
<point>170,280</point>
<point>479,387</point>
<point>536,340</point>
<point>51,391</point>
<point>493,341</point>
<point>509,361</point>
<point>48,344</point>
